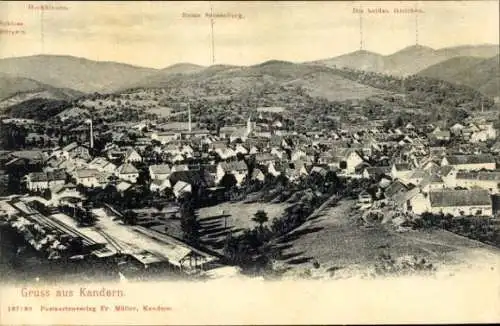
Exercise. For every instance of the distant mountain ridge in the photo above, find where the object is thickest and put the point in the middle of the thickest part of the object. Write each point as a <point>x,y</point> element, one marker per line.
<point>407,61</point>
<point>80,74</point>
<point>63,77</point>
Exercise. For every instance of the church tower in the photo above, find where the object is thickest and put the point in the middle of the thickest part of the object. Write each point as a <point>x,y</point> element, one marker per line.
<point>249,126</point>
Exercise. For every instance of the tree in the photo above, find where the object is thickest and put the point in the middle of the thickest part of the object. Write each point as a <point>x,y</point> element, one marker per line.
<point>189,222</point>
<point>130,217</point>
<point>228,181</point>
<point>260,217</point>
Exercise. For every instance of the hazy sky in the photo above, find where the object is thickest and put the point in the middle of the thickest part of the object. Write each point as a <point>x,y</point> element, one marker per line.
<point>156,34</point>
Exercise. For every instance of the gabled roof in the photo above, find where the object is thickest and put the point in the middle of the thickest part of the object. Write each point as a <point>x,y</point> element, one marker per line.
<point>470,159</point>
<point>403,196</point>
<point>394,188</point>
<point>70,147</point>
<point>263,157</point>
<point>127,168</point>
<point>87,173</point>
<point>32,155</point>
<point>131,151</point>
<point>160,169</point>
<point>452,198</point>
<point>234,166</point>
<point>479,175</point>
<point>123,186</point>
<point>378,170</point>
<point>419,173</point>
<point>431,179</point>
<point>192,177</point>
<point>445,170</point>
<point>402,167</point>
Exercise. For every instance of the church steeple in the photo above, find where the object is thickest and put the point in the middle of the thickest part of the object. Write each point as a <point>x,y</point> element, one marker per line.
<point>249,125</point>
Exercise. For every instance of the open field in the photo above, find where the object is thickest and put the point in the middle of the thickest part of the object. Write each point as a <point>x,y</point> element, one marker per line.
<point>161,111</point>
<point>220,220</point>
<point>342,247</point>
<point>239,215</point>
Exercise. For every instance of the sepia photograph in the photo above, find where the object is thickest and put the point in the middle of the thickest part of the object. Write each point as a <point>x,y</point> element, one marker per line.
<point>249,162</point>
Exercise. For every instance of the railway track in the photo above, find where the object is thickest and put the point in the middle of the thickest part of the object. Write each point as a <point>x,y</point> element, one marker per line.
<point>112,241</point>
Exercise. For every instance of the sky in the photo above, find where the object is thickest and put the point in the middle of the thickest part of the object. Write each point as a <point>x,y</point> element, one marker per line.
<point>158,34</point>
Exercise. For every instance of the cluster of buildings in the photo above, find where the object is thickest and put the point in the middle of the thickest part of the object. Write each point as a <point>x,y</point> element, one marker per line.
<point>464,162</point>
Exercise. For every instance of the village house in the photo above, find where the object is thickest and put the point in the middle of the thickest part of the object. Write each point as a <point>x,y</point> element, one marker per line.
<point>401,171</point>
<point>102,165</point>
<point>298,154</point>
<point>186,181</point>
<point>376,172</point>
<point>123,186</point>
<point>275,168</point>
<point>197,133</point>
<point>461,202</point>
<point>159,185</point>
<point>241,149</point>
<point>456,129</point>
<point>470,162</point>
<point>45,180</point>
<point>394,188</point>
<point>484,132</point>
<point>87,177</point>
<point>431,182</point>
<point>487,180</point>
<point>225,152</point>
<point>180,188</point>
<point>73,151</point>
<point>187,150</point>
<point>417,176</point>
<point>351,160</point>
<point>132,156</point>
<point>159,172</point>
<point>257,175</point>
<point>448,174</point>
<point>237,168</point>
<point>128,172</point>
<point>65,193</point>
<point>165,137</point>
<point>440,135</point>
<point>180,167</point>
<point>226,131</point>
<point>329,158</point>
<point>279,153</point>
<point>265,159</point>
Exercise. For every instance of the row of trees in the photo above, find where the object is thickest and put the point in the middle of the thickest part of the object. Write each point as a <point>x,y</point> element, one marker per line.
<point>486,230</point>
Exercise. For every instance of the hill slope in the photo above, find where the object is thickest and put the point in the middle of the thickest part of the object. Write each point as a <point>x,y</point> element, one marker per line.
<point>480,74</point>
<point>15,90</point>
<point>363,60</point>
<point>411,60</point>
<point>71,72</point>
<point>480,51</point>
<point>13,85</point>
<point>226,80</point>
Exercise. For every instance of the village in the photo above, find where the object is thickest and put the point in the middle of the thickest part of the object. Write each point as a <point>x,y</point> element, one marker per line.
<point>171,196</point>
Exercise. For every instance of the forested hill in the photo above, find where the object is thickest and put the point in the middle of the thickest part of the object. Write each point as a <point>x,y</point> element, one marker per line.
<point>429,92</point>
<point>478,73</point>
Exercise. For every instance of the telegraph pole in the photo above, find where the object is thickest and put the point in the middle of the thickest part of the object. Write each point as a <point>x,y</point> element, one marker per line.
<point>416,24</point>
<point>360,28</point>
<point>42,45</point>
<point>212,22</point>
